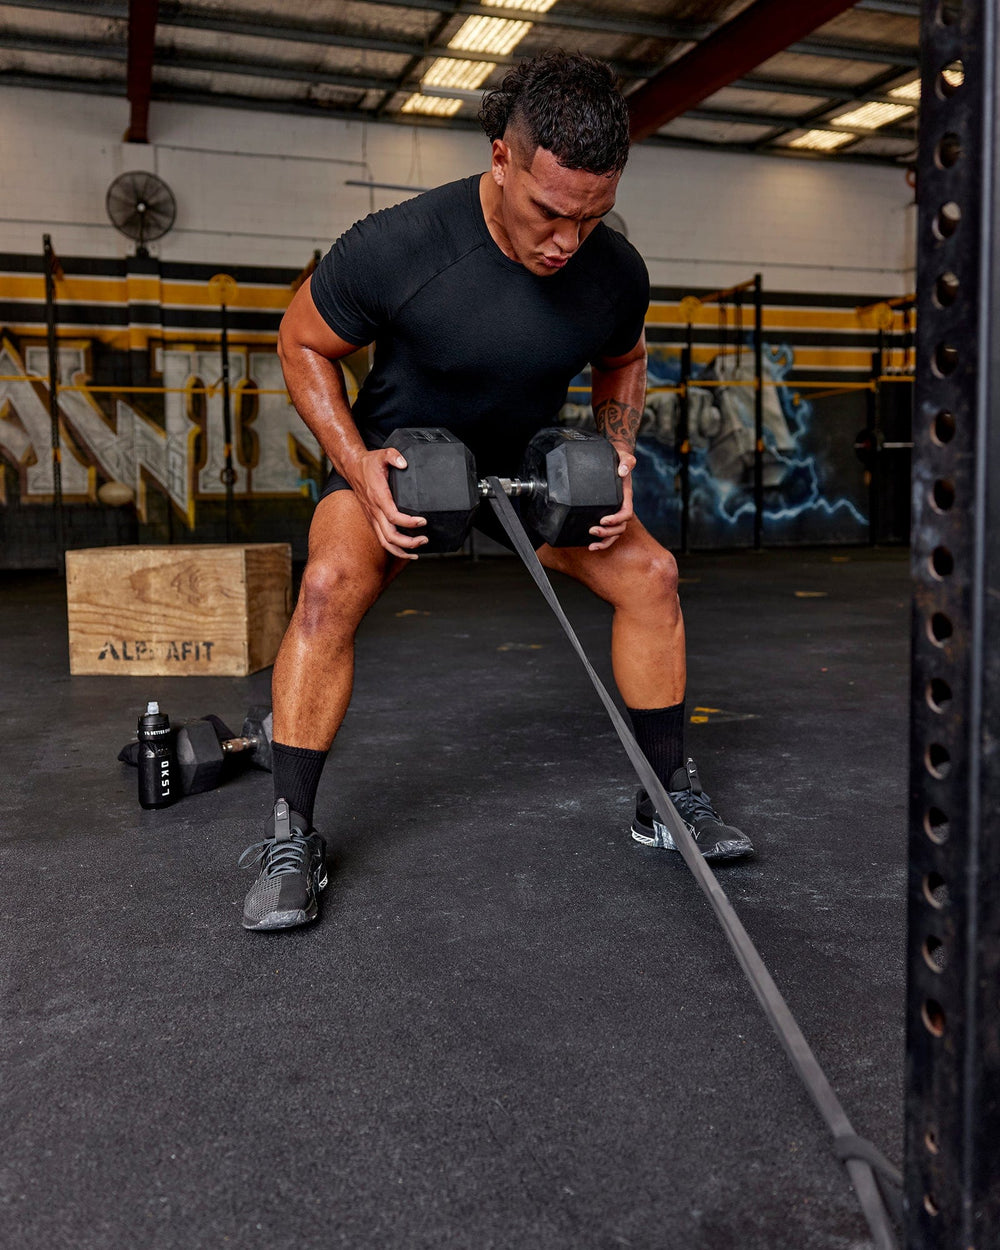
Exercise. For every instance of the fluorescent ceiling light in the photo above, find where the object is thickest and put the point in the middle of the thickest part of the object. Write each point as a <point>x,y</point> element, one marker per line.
<point>821,140</point>
<point>953,74</point>
<point>496,35</point>
<point>434,105</point>
<point>532,6</point>
<point>872,115</point>
<point>908,91</point>
<point>489,34</point>
<point>465,75</point>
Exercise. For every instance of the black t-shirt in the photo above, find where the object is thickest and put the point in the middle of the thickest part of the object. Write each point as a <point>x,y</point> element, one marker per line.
<point>465,337</point>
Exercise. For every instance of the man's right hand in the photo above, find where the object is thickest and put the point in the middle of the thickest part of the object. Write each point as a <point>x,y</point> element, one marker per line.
<point>369,476</point>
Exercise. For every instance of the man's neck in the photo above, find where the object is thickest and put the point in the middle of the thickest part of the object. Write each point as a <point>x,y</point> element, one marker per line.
<point>491,200</point>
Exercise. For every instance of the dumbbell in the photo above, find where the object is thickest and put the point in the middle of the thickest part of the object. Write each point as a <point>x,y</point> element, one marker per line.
<point>569,481</point>
<point>202,756</point>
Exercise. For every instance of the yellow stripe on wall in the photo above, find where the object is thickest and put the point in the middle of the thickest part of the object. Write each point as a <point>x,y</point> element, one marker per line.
<point>196,295</point>
<point>140,288</point>
<point>773,318</point>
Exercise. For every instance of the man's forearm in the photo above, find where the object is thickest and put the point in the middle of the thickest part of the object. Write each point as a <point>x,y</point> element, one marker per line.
<point>318,391</point>
<point>618,397</point>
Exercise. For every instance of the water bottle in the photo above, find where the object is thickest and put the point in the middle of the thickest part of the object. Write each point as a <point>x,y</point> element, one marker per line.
<point>158,780</point>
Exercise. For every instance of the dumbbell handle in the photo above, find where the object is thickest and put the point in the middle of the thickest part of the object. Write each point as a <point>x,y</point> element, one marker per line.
<point>231,745</point>
<point>512,486</point>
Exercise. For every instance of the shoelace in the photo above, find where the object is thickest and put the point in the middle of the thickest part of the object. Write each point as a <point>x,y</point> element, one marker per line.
<point>691,805</point>
<point>276,858</point>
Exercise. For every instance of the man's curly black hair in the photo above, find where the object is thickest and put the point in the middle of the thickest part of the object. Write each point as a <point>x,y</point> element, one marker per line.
<point>567,104</point>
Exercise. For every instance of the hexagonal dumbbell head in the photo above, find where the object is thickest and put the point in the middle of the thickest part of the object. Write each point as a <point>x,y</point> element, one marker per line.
<point>439,484</point>
<point>258,729</point>
<point>200,757</point>
<point>581,485</point>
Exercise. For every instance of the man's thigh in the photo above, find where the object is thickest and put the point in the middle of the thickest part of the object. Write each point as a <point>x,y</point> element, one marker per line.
<point>344,549</point>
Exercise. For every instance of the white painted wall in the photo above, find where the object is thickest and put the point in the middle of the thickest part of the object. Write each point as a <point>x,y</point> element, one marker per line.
<point>266,188</point>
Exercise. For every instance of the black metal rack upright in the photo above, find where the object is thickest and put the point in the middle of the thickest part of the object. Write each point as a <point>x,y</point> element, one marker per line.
<point>953,1001</point>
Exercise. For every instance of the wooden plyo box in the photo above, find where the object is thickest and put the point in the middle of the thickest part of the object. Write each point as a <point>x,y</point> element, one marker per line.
<point>177,611</point>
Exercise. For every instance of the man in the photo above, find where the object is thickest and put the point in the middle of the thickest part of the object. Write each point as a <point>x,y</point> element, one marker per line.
<point>484,298</point>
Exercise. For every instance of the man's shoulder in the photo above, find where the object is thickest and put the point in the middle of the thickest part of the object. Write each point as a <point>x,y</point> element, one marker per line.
<point>434,221</point>
<point>374,269</point>
<point>615,250</point>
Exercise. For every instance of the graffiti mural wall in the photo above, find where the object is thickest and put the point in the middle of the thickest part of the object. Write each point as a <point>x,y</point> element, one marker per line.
<point>140,421</point>
<point>814,488</point>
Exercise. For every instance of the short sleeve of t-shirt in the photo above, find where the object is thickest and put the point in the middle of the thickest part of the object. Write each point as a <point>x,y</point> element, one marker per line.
<point>631,281</point>
<point>354,285</point>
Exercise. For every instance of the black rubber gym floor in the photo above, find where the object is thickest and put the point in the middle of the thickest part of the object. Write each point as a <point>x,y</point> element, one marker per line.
<point>512,1027</point>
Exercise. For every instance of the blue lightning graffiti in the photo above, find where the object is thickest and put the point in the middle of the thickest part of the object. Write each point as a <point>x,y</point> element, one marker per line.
<point>724,502</point>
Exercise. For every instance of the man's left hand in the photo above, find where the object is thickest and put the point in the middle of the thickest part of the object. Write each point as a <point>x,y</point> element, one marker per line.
<point>612,527</point>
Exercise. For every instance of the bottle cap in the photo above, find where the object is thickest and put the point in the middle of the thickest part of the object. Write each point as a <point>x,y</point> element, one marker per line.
<point>152,707</point>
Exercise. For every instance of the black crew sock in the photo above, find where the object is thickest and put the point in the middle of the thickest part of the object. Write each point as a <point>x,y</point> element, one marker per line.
<point>659,731</point>
<point>296,777</point>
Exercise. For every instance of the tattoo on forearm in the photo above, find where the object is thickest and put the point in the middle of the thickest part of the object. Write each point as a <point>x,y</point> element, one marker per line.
<point>618,421</point>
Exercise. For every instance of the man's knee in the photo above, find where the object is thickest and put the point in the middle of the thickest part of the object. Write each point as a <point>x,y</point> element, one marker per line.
<point>335,593</point>
<point>655,572</point>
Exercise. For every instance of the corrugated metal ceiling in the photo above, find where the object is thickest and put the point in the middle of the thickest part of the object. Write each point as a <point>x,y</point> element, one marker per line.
<point>421,62</point>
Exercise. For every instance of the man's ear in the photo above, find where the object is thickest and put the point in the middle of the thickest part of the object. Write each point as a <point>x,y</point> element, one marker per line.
<point>503,158</point>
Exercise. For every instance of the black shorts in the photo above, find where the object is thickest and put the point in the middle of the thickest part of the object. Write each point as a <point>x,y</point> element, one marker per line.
<point>485,520</point>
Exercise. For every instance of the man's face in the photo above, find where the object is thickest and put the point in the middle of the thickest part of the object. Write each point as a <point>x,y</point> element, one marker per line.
<point>546,209</point>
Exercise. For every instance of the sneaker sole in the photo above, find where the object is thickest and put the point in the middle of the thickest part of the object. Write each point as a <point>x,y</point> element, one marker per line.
<point>283,919</point>
<point>289,919</point>
<point>722,851</point>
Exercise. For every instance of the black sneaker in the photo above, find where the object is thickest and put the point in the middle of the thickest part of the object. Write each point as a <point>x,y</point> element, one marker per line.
<point>715,840</point>
<point>292,873</point>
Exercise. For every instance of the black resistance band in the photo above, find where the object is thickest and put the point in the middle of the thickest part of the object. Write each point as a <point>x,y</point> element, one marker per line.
<point>861,1159</point>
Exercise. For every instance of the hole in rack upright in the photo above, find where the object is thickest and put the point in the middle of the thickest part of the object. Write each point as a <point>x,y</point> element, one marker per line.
<point>947,219</point>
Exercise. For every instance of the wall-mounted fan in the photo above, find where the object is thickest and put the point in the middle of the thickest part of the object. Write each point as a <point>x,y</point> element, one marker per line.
<point>141,206</point>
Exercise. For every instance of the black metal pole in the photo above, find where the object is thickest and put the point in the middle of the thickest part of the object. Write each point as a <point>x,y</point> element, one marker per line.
<point>684,438</point>
<point>228,473</point>
<point>875,442</point>
<point>758,413</point>
<point>953,997</point>
<point>53,353</point>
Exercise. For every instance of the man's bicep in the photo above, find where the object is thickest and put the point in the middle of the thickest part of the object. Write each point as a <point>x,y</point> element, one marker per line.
<point>303,326</point>
<point>608,364</point>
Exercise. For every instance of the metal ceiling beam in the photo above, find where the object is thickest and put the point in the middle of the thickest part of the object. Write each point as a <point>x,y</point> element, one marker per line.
<point>50,45</point>
<point>139,78</point>
<point>761,30</point>
<point>880,54</point>
<point>902,8</point>
<point>786,124</point>
<point>749,149</point>
<point>55,82</point>
<point>273,71</point>
<point>836,93</point>
<point>114,9</point>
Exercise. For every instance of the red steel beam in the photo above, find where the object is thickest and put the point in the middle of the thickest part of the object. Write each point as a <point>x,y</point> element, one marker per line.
<point>763,29</point>
<point>142,16</point>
